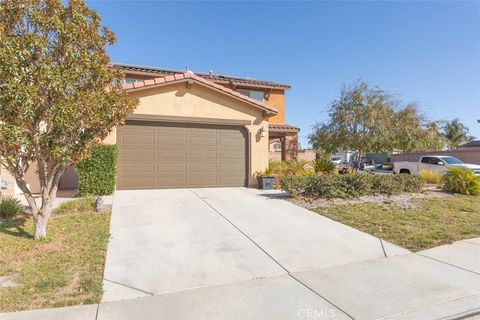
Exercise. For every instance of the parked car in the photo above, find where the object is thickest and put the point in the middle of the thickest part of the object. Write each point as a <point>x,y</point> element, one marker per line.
<point>432,163</point>
<point>336,161</point>
<point>367,165</point>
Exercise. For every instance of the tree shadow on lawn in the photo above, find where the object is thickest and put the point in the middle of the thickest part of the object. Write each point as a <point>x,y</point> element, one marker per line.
<point>15,227</point>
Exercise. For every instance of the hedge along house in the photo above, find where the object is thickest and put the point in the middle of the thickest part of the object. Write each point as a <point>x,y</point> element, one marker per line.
<point>196,130</point>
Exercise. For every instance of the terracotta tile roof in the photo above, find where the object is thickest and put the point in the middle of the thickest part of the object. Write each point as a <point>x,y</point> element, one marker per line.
<point>282,127</point>
<point>209,76</point>
<point>182,77</point>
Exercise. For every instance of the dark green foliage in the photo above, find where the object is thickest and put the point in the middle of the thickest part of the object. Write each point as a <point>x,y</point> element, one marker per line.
<point>9,207</point>
<point>410,183</point>
<point>323,165</point>
<point>96,174</point>
<point>350,185</point>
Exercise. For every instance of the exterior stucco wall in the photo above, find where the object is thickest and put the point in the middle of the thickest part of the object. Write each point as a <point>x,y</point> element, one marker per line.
<point>207,105</point>
<point>111,138</point>
<point>276,99</point>
<point>10,182</point>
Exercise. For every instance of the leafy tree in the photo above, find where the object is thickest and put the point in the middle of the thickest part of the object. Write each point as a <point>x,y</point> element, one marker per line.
<point>58,92</point>
<point>409,131</point>
<point>456,133</point>
<point>433,139</point>
<point>414,132</point>
<point>361,120</point>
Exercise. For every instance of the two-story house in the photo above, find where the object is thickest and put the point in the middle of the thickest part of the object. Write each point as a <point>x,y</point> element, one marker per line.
<point>197,130</point>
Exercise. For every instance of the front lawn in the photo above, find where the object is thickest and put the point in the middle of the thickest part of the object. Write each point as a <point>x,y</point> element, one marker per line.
<point>64,269</point>
<point>428,223</point>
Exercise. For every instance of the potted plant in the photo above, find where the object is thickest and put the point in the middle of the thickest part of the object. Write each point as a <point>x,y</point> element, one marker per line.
<point>265,179</point>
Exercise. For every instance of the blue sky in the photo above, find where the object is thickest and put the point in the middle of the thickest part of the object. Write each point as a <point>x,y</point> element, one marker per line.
<point>427,52</point>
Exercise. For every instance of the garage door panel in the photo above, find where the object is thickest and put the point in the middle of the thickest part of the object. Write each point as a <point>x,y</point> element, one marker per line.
<point>203,131</point>
<point>229,167</point>
<point>171,130</point>
<point>171,168</point>
<point>138,140</point>
<point>203,141</point>
<point>196,155</point>
<point>137,154</point>
<point>177,155</point>
<point>137,182</point>
<point>203,167</point>
<point>171,182</point>
<point>202,181</point>
<point>138,130</point>
<point>231,155</point>
<point>228,181</point>
<point>180,155</point>
<point>138,167</point>
<point>231,142</point>
<point>171,141</point>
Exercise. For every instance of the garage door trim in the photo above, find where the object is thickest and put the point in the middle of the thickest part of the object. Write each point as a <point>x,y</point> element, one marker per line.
<point>180,119</point>
<point>182,155</point>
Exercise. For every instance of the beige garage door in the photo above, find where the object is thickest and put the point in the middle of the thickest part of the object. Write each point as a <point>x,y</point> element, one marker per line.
<point>156,155</point>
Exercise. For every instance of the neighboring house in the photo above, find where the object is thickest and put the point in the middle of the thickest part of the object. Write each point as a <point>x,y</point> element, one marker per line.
<point>197,130</point>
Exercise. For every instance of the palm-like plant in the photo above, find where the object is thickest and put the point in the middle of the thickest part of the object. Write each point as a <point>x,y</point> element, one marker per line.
<point>323,165</point>
<point>455,133</point>
<point>297,167</point>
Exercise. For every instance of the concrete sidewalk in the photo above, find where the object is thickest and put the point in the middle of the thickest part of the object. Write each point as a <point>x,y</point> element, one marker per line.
<point>411,286</point>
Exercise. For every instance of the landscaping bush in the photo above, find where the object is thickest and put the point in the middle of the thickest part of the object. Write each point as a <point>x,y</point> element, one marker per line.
<point>322,165</point>
<point>409,183</point>
<point>10,207</point>
<point>96,174</point>
<point>350,185</point>
<point>431,177</point>
<point>461,180</point>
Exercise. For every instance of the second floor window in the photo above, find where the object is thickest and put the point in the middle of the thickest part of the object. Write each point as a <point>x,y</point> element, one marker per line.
<point>257,95</point>
<point>130,80</point>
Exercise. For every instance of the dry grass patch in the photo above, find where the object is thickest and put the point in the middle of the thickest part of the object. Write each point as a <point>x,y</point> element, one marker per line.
<point>64,269</point>
<point>428,223</point>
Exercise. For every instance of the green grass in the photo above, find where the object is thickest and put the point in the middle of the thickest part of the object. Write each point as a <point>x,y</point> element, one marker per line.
<point>64,269</point>
<point>435,221</point>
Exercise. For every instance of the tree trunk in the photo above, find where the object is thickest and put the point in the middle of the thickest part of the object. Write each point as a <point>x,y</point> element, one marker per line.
<point>359,159</point>
<point>41,226</point>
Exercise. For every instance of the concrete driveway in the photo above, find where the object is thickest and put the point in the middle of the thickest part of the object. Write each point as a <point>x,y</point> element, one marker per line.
<point>170,240</point>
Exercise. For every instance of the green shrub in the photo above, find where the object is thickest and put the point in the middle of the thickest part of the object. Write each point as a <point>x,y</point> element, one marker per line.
<point>82,205</point>
<point>322,165</point>
<point>10,207</point>
<point>461,180</point>
<point>297,168</point>
<point>386,184</point>
<point>410,183</point>
<point>96,174</point>
<point>350,185</point>
<point>431,177</point>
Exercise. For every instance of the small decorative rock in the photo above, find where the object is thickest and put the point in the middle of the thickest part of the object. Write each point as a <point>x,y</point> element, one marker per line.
<point>98,204</point>
<point>7,282</point>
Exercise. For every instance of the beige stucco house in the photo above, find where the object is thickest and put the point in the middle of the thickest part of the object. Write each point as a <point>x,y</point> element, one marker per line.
<point>194,130</point>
